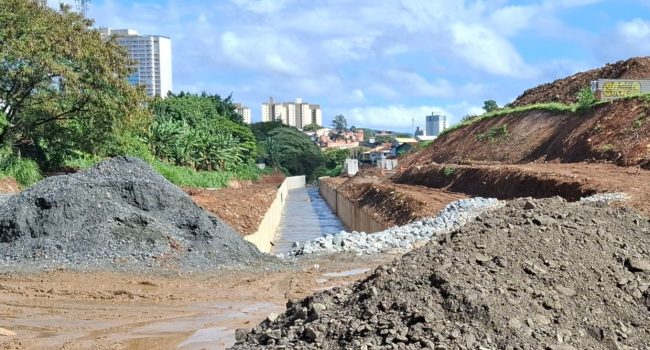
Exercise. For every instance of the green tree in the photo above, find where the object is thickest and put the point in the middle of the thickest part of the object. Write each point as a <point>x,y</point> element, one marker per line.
<point>293,151</point>
<point>490,106</point>
<point>339,123</point>
<point>335,157</point>
<point>62,86</point>
<point>311,127</point>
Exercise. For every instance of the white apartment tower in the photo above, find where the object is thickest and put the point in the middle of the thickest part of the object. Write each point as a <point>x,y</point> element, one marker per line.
<point>436,124</point>
<point>244,111</point>
<point>297,114</point>
<point>152,55</point>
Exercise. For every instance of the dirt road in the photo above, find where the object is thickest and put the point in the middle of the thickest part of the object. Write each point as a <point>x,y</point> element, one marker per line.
<point>68,310</point>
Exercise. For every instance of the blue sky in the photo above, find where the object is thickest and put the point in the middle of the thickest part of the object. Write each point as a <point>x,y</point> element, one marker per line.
<point>382,62</point>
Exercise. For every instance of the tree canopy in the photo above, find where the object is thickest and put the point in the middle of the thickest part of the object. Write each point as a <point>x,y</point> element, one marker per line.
<point>490,106</point>
<point>340,123</point>
<point>311,127</point>
<point>61,85</point>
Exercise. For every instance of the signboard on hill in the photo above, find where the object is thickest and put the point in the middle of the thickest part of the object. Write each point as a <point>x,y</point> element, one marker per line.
<point>611,89</point>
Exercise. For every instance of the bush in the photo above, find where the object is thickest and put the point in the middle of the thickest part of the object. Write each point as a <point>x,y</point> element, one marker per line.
<point>585,99</point>
<point>25,171</point>
<point>494,133</point>
<point>448,171</point>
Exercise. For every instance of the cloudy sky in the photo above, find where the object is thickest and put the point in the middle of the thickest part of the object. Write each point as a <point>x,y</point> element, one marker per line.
<point>382,62</point>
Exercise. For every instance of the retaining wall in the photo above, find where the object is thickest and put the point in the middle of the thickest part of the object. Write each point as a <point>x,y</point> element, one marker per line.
<point>352,216</point>
<point>267,229</point>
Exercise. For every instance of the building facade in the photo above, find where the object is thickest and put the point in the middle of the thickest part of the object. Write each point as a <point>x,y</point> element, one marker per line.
<point>152,55</point>
<point>297,114</point>
<point>435,124</point>
<point>244,111</point>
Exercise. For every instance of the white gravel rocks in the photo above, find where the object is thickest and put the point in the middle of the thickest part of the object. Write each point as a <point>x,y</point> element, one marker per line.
<point>400,239</point>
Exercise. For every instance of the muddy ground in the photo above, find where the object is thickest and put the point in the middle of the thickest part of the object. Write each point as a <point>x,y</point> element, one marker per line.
<point>67,310</point>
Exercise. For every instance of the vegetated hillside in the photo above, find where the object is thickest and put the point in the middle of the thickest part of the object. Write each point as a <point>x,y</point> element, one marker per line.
<point>618,132</point>
<point>565,90</point>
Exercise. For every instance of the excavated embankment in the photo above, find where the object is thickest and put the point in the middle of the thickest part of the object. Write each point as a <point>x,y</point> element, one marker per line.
<point>616,132</point>
<point>118,214</point>
<point>536,274</point>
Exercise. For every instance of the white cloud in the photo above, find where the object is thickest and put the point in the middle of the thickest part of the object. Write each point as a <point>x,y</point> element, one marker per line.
<point>262,6</point>
<point>483,49</point>
<point>419,86</point>
<point>631,38</point>
<point>262,52</point>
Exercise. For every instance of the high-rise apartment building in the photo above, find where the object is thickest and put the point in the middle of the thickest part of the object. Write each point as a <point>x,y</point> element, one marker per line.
<point>152,55</point>
<point>297,114</point>
<point>436,124</point>
<point>244,111</point>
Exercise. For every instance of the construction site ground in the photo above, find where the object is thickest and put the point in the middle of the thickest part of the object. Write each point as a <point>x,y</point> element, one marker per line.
<point>71,310</point>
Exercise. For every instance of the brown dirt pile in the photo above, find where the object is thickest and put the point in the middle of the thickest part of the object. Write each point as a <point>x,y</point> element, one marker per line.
<point>9,185</point>
<point>394,204</point>
<point>243,208</point>
<point>565,90</point>
<point>537,274</point>
<point>617,132</point>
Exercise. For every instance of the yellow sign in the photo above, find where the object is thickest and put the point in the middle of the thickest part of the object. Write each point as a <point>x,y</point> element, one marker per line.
<point>621,88</point>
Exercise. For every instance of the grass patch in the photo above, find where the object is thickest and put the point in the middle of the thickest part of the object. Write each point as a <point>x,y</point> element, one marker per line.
<point>25,171</point>
<point>546,107</point>
<point>448,171</point>
<point>494,133</point>
<point>186,177</point>
<point>638,122</point>
<point>607,148</point>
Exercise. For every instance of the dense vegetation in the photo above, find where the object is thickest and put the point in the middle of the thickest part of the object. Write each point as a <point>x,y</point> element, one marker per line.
<point>65,102</point>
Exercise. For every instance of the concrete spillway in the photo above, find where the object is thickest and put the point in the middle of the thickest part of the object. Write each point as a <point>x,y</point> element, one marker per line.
<point>305,216</point>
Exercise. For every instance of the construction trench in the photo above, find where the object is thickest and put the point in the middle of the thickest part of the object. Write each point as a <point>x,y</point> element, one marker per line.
<point>537,240</point>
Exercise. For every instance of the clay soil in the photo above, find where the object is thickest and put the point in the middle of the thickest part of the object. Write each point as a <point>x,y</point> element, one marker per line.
<point>565,90</point>
<point>242,208</point>
<point>9,185</point>
<point>617,132</point>
<point>66,310</point>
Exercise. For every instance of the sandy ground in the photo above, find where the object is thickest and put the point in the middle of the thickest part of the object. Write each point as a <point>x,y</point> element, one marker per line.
<point>72,310</point>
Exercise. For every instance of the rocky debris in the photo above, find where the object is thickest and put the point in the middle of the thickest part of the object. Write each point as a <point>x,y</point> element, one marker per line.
<point>566,90</point>
<point>606,198</point>
<point>119,214</point>
<point>399,239</point>
<point>500,282</point>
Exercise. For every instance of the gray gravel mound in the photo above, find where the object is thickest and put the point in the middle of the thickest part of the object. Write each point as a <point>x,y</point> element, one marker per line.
<point>535,274</point>
<point>400,239</point>
<point>118,214</point>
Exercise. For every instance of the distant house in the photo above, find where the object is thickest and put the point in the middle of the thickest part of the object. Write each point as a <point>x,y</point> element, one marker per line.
<point>402,145</point>
<point>377,153</point>
<point>425,138</point>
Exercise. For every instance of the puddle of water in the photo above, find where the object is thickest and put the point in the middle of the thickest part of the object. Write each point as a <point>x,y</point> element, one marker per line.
<point>346,273</point>
<point>208,338</point>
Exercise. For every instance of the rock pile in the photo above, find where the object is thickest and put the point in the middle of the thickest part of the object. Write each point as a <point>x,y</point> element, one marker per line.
<point>118,214</point>
<point>399,239</point>
<point>535,274</point>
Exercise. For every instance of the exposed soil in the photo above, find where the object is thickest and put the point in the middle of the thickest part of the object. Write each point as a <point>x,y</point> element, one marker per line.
<point>395,204</point>
<point>534,275</point>
<point>617,132</point>
<point>9,185</point>
<point>243,208</point>
<point>68,310</point>
<point>570,181</point>
<point>565,90</point>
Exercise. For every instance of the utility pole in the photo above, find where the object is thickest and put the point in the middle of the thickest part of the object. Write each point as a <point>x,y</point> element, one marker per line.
<point>413,125</point>
<point>82,6</point>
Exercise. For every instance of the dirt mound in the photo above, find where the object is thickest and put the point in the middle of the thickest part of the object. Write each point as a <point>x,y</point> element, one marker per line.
<point>537,274</point>
<point>9,185</point>
<point>616,132</point>
<point>565,90</point>
<point>119,213</point>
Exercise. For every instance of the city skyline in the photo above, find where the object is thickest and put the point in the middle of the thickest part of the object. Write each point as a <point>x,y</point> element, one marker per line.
<point>381,62</point>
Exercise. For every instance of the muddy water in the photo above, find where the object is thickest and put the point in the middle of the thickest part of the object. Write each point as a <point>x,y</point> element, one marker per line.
<point>306,216</point>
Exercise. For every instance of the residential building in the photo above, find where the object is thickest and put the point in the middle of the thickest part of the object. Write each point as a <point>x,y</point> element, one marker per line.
<point>436,124</point>
<point>297,114</point>
<point>152,55</point>
<point>244,111</point>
